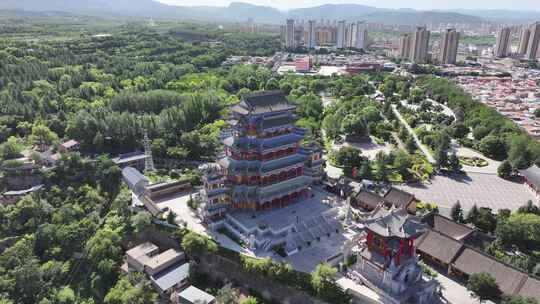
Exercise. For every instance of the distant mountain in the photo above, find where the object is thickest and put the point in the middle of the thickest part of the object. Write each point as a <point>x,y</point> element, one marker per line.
<point>238,11</point>
<point>119,7</point>
<point>502,15</point>
<point>334,11</point>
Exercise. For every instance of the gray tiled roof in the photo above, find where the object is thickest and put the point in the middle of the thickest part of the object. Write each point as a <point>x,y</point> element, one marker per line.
<point>395,222</point>
<point>439,246</point>
<point>532,174</point>
<point>471,261</point>
<point>398,198</point>
<point>265,101</point>
<point>369,198</point>
<point>447,226</point>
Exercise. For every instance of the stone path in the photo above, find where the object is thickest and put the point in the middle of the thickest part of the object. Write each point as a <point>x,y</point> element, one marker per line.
<point>420,145</point>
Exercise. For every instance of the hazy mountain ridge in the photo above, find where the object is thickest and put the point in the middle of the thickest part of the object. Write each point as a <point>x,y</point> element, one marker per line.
<point>501,15</point>
<point>238,11</point>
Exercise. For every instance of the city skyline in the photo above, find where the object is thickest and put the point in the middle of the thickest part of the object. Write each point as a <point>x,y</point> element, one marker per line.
<point>390,4</point>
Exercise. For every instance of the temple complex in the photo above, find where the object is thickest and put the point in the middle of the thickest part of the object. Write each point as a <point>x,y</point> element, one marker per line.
<point>387,262</point>
<point>263,165</point>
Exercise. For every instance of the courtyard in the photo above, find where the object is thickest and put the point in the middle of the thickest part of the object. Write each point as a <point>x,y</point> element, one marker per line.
<point>484,190</point>
<point>319,202</point>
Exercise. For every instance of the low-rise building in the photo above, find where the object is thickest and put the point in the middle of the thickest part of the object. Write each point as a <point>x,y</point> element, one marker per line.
<point>168,271</point>
<point>452,246</point>
<point>531,177</point>
<point>193,295</point>
<point>69,146</point>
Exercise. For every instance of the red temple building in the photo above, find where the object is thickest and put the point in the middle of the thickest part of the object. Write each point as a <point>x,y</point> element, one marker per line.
<point>263,165</point>
<point>388,262</point>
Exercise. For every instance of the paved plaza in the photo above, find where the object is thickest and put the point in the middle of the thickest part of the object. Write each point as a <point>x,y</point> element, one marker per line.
<point>178,205</point>
<point>317,204</point>
<point>491,168</point>
<point>368,148</point>
<point>307,259</point>
<point>484,190</point>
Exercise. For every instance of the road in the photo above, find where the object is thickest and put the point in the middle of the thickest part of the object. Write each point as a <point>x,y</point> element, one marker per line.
<point>420,145</point>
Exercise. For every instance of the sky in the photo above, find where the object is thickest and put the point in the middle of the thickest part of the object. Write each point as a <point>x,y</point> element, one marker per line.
<point>416,4</point>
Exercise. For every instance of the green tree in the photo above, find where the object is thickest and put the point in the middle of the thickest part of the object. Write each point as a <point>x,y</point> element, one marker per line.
<point>521,230</point>
<point>486,220</point>
<point>460,130</point>
<point>140,221</point>
<point>249,300</point>
<point>518,153</point>
<point>227,295</point>
<point>171,218</point>
<point>11,148</point>
<point>457,212</point>
<point>196,244</point>
<point>453,163</point>
<point>66,295</point>
<point>354,124</point>
<point>332,126</point>
<point>484,287</point>
<point>518,300</point>
<point>22,278</point>
<point>42,136</point>
<point>322,277</point>
<point>505,169</point>
<point>472,215</point>
<point>493,147</point>
<point>124,292</point>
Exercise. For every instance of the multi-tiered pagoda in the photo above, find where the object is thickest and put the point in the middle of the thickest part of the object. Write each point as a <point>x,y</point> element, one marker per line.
<point>263,164</point>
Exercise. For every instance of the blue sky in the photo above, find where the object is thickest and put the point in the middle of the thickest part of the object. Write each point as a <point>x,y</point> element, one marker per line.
<point>416,4</point>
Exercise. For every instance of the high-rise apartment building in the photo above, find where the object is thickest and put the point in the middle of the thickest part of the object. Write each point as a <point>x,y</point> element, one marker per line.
<point>534,40</point>
<point>311,37</point>
<point>405,46</point>
<point>524,40</point>
<point>449,46</point>
<point>340,43</point>
<point>350,35</point>
<point>289,34</point>
<point>504,41</point>
<point>361,35</point>
<point>419,45</point>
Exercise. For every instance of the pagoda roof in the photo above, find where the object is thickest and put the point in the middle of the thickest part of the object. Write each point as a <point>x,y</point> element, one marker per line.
<point>285,187</point>
<point>263,102</point>
<point>258,166</point>
<point>283,162</point>
<point>263,143</point>
<point>273,122</point>
<point>394,222</point>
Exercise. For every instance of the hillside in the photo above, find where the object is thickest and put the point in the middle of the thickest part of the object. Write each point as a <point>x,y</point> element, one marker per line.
<point>238,11</point>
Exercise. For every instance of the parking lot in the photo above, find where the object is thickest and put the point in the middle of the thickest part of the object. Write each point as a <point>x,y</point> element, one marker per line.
<point>484,190</point>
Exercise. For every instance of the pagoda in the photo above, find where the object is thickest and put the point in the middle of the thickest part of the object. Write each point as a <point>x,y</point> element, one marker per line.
<point>262,165</point>
<point>387,261</point>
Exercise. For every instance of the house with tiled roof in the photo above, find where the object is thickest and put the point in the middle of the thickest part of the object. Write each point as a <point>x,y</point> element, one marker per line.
<point>401,199</point>
<point>453,247</point>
